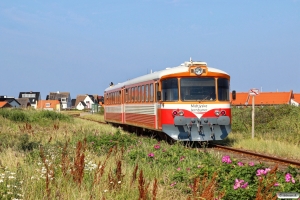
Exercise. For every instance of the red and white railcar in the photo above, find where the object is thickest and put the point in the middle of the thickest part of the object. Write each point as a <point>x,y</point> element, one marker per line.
<point>189,102</point>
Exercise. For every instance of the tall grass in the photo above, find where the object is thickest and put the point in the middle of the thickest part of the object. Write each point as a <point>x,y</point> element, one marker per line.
<point>20,115</point>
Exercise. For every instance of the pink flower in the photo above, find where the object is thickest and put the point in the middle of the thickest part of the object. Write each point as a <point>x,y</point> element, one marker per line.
<point>251,164</point>
<point>288,177</point>
<point>267,170</point>
<point>156,146</point>
<point>226,159</point>
<point>182,158</point>
<point>240,164</point>
<point>199,166</point>
<point>173,184</point>
<point>244,185</point>
<point>151,155</point>
<point>240,184</point>
<point>276,184</point>
<point>178,169</point>
<point>188,169</point>
<point>259,172</point>
<point>262,171</point>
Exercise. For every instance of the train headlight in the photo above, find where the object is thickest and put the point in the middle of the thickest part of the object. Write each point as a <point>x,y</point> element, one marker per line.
<point>223,112</point>
<point>198,71</point>
<point>174,112</point>
<point>217,112</point>
<point>181,113</point>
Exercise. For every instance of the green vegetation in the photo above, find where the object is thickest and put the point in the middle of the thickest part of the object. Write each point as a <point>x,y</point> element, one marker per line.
<point>58,157</point>
<point>277,130</point>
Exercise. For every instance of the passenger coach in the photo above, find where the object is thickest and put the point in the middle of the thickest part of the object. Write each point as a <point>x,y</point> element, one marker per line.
<point>189,102</point>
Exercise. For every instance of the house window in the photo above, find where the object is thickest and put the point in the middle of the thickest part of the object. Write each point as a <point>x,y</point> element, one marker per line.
<point>47,105</point>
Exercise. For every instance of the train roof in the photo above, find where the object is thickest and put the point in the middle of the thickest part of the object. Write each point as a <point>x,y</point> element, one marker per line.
<point>184,67</point>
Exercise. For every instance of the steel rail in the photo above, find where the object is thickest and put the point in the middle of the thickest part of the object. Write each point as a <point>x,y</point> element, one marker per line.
<point>282,160</point>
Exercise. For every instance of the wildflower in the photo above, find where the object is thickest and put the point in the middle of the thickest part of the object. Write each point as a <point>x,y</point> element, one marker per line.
<point>260,172</point>
<point>188,169</point>
<point>199,166</point>
<point>240,184</point>
<point>1,181</point>
<point>276,184</point>
<point>240,164</point>
<point>119,182</point>
<point>226,159</point>
<point>151,155</point>
<point>178,169</point>
<point>289,178</point>
<point>244,185</point>
<point>182,158</point>
<point>266,171</point>
<point>105,190</point>
<point>156,146</point>
<point>173,184</point>
<point>251,164</point>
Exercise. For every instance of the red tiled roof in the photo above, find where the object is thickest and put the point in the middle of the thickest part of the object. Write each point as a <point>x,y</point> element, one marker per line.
<point>52,104</point>
<point>263,98</point>
<point>297,97</point>
<point>4,104</point>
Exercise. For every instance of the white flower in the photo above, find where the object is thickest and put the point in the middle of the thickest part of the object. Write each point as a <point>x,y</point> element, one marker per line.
<point>105,190</point>
<point>119,182</point>
<point>1,180</point>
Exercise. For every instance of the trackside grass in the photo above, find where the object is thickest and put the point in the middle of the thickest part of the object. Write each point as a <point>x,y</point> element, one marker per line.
<point>68,158</point>
<point>277,130</point>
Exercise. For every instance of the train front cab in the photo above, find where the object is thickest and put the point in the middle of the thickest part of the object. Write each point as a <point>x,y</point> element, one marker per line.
<point>194,108</point>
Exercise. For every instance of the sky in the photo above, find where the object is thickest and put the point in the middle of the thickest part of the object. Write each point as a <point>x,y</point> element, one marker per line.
<point>82,46</point>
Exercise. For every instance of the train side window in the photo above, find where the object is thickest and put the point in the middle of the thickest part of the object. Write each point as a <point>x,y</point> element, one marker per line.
<point>147,93</point>
<point>132,94</point>
<point>143,93</point>
<point>151,92</point>
<point>136,93</point>
<point>126,95</point>
<point>139,94</point>
<point>113,97</point>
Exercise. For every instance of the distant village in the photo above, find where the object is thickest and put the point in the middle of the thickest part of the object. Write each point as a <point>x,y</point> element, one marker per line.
<point>54,101</point>
<point>62,100</point>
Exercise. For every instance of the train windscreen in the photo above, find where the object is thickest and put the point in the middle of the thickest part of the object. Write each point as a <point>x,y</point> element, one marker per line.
<point>170,89</point>
<point>223,89</point>
<point>197,89</point>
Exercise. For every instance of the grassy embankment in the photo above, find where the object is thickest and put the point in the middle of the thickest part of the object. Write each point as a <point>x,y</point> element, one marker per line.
<point>277,130</point>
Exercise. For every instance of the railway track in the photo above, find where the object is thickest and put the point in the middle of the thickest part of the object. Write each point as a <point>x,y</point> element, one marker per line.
<point>258,156</point>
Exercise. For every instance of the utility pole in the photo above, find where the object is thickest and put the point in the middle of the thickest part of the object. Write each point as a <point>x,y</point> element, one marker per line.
<point>253,93</point>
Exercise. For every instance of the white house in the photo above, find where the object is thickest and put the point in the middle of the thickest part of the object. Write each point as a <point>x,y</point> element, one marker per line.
<point>81,105</point>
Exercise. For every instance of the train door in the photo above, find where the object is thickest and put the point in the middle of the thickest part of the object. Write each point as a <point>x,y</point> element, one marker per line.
<point>158,106</point>
<point>122,102</point>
